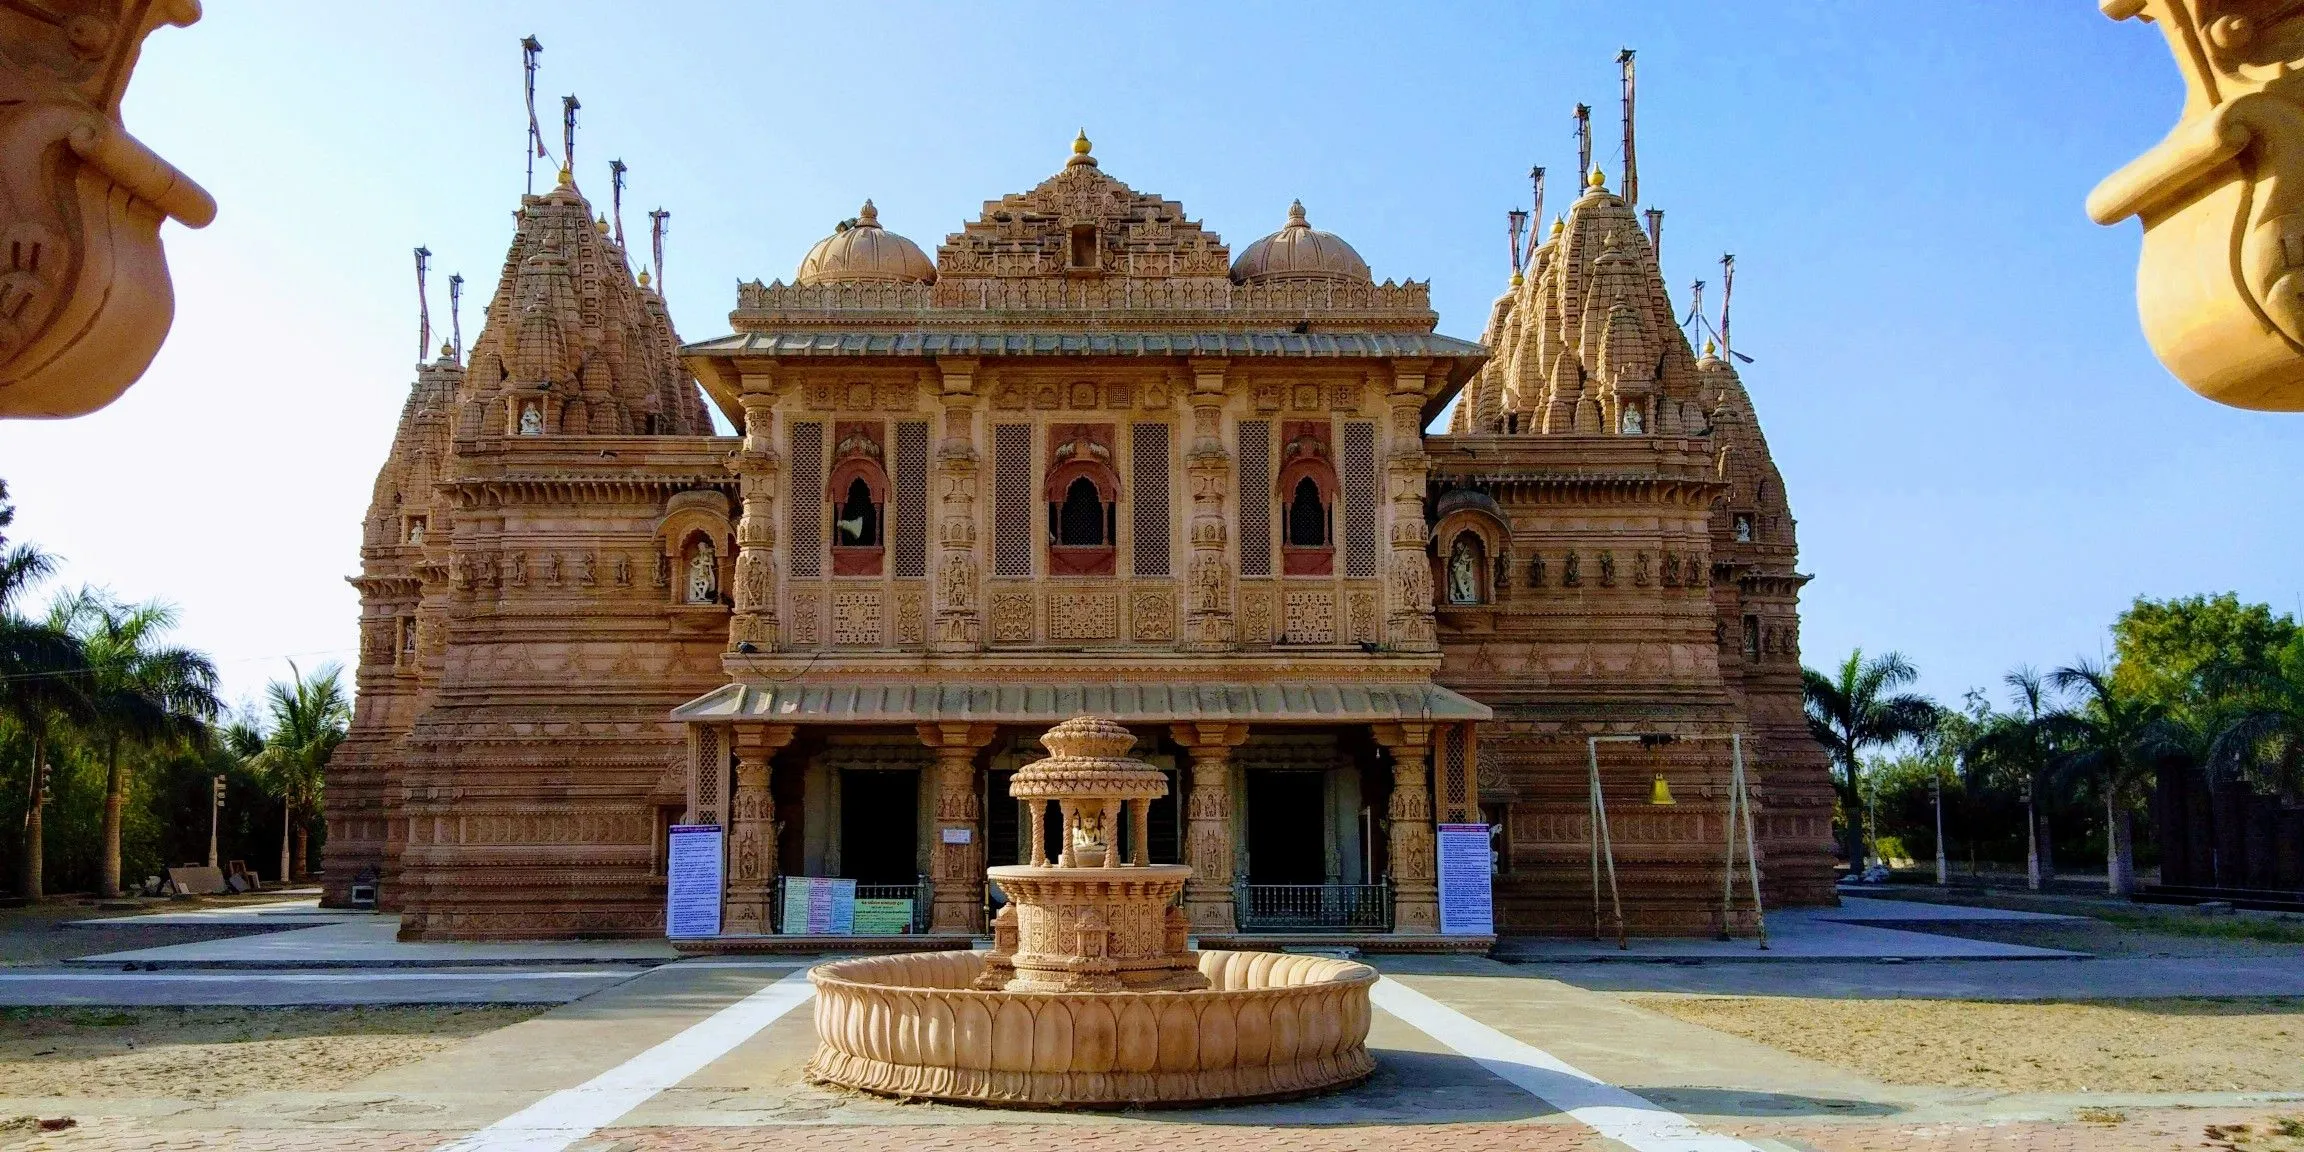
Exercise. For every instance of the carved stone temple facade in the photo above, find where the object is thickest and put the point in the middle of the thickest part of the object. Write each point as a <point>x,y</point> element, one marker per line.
<point>1086,459</point>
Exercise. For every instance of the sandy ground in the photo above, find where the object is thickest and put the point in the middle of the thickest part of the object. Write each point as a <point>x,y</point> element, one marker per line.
<point>2103,1046</point>
<point>222,1053</point>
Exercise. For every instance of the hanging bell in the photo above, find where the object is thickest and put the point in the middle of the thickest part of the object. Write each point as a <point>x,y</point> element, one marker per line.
<point>1661,791</point>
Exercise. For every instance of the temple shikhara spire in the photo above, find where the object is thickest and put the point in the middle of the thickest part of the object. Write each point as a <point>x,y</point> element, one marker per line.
<point>1076,455</point>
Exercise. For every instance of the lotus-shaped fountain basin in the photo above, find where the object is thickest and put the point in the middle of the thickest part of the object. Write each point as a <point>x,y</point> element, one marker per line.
<point>1270,1025</point>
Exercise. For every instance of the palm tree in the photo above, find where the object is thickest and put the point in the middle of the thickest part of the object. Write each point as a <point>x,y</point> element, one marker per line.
<point>143,695</point>
<point>2021,746</point>
<point>309,716</point>
<point>1856,709</point>
<point>2257,735</point>
<point>42,681</point>
<point>2114,741</point>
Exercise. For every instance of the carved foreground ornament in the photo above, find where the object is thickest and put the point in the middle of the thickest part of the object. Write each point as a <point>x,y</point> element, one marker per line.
<point>2220,284</point>
<point>84,292</point>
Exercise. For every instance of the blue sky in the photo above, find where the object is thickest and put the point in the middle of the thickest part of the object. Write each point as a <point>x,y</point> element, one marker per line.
<point>1985,460</point>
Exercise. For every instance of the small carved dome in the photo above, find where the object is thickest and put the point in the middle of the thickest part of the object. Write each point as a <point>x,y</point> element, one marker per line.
<point>862,252</point>
<point>1299,252</point>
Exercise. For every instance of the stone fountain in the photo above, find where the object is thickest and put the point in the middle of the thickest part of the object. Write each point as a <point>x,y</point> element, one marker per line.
<point>1090,996</point>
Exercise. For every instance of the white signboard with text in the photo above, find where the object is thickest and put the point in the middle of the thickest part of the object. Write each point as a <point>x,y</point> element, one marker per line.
<point>692,888</point>
<point>1467,900</point>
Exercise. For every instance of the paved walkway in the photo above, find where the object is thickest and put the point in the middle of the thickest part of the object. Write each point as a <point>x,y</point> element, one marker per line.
<point>30,987</point>
<point>1860,929</point>
<point>371,941</point>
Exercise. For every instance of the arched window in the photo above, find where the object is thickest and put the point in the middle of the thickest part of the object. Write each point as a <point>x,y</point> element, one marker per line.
<point>1307,517</point>
<point>1467,570</point>
<point>857,524</point>
<point>1082,520</point>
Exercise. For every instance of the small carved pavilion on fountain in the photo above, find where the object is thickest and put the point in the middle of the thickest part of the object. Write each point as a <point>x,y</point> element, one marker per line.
<point>1083,461</point>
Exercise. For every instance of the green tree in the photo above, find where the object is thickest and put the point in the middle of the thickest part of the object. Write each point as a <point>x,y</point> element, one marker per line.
<point>2162,649</point>
<point>308,717</point>
<point>145,696</point>
<point>43,676</point>
<point>2018,748</point>
<point>2113,741</point>
<point>1856,710</point>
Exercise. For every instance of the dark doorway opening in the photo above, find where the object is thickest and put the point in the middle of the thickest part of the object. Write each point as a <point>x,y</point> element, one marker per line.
<point>1287,841</point>
<point>880,825</point>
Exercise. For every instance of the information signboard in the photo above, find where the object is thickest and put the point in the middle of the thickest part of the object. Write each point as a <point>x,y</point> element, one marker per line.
<point>692,888</point>
<point>1467,903</point>
<point>883,917</point>
<point>819,906</point>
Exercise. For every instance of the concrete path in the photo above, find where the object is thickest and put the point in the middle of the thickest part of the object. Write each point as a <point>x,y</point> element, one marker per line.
<point>2101,978</point>
<point>282,914</point>
<point>371,942</point>
<point>41,987</point>
<point>1849,932</point>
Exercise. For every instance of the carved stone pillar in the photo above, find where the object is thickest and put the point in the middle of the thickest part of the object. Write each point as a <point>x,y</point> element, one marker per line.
<point>1412,847</point>
<point>956,858</point>
<point>751,881</point>
<point>1208,824</point>
<point>1208,624</point>
<point>1409,625</point>
<point>757,468</point>
<point>958,594</point>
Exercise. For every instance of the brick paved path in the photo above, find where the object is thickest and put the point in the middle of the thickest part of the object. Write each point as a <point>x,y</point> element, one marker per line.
<point>2161,1131</point>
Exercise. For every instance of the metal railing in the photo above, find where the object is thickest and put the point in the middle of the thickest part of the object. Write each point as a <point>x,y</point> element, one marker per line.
<point>1313,907</point>
<point>920,893</point>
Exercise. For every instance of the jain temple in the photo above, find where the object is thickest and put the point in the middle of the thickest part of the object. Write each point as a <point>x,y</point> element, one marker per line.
<point>1082,457</point>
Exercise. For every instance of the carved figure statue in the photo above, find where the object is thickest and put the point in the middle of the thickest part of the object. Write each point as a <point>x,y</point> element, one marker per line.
<point>703,573</point>
<point>86,283</point>
<point>1607,569</point>
<point>1464,572</point>
<point>2220,283</point>
<point>416,532</point>
<point>531,421</point>
<point>1536,571</point>
<point>1572,571</point>
<point>1630,422</point>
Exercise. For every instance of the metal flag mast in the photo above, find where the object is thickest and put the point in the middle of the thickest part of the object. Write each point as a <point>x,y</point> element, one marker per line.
<point>456,313</point>
<point>616,171</point>
<point>656,221</point>
<point>1631,160</point>
<point>530,49</point>
<point>1514,221</point>
<point>1536,215</point>
<point>423,306</point>
<point>1727,294</point>
<point>568,106</point>
<point>1739,819</point>
<point>1583,142</point>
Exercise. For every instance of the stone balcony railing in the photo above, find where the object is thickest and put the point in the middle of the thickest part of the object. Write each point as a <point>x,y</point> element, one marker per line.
<point>1053,301</point>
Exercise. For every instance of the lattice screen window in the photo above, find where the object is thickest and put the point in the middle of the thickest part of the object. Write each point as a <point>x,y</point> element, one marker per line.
<point>1455,781</point>
<point>1148,458</point>
<point>911,535</point>
<point>1255,497</point>
<point>804,522</point>
<point>708,790</point>
<point>1012,502</point>
<point>1359,498</point>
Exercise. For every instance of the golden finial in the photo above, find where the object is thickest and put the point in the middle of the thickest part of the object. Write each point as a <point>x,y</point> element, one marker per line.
<point>602,224</point>
<point>643,277</point>
<point>1597,180</point>
<point>1559,225</point>
<point>1080,143</point>
<point>447,350</point>
<point>566,178</point>
<point>1711,349</point>
<point>1517,280</point>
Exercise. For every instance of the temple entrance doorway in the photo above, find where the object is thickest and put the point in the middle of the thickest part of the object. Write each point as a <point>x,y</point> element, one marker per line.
<point>879,825</point>
<point>1287,827</point>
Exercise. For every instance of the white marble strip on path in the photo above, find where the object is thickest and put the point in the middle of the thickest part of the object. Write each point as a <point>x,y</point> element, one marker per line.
<point>1619,1115</point>
<point>571,1114</point>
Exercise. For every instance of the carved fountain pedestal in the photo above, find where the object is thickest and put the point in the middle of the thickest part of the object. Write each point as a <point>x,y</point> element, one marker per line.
<point>1090,996</point>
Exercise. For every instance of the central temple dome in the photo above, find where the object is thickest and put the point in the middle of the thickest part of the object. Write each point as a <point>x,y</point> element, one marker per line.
<point>1299,251</point>
<point>860,251</point>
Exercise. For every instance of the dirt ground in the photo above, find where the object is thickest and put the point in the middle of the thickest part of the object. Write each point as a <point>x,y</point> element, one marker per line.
<point>2178,1045</point>
<point>222,1053</point>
